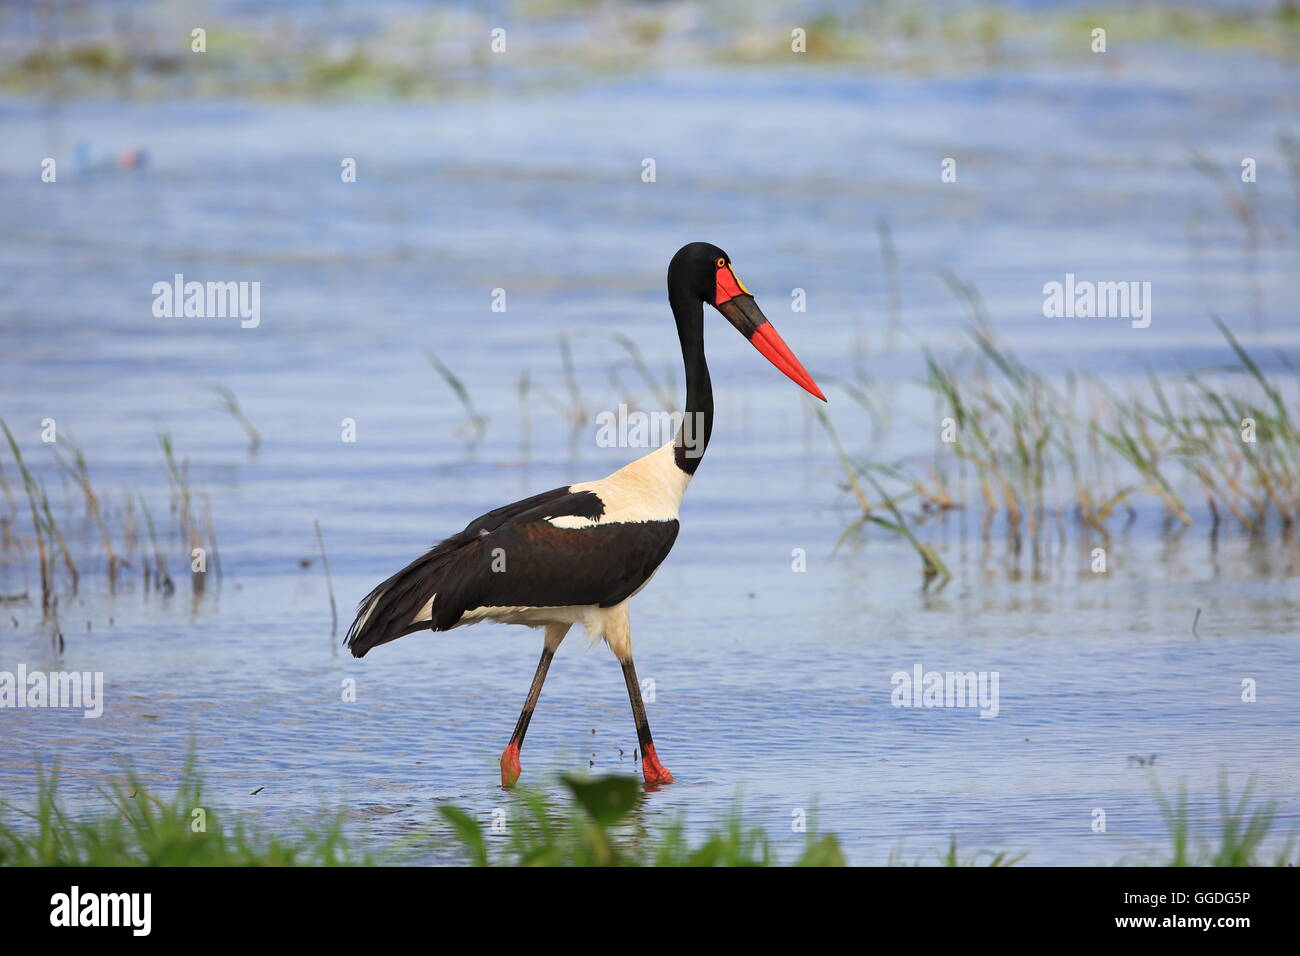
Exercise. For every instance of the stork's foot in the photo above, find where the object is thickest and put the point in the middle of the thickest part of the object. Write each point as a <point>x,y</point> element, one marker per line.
<point>510,768</point>
<point>654,772</point>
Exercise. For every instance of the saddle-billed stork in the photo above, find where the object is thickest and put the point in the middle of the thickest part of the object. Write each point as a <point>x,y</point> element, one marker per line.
<point>577,554</point>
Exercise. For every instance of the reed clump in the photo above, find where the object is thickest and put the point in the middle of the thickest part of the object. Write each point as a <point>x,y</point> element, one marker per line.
<point>49,538</point>
<point>110,535</point>
<point>1031,452</point>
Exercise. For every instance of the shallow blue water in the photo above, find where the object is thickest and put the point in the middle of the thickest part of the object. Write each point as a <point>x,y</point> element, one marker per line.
<point>769,683</point>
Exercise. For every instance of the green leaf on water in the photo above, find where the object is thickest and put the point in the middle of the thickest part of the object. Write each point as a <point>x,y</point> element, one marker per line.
<point>606,799</point>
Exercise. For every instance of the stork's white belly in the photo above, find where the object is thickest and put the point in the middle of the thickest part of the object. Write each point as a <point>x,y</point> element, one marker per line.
<point>610,624</point>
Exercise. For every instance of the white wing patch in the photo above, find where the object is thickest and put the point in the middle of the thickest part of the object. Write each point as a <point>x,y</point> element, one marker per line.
<point>426,612</point>
<point>573,521</point>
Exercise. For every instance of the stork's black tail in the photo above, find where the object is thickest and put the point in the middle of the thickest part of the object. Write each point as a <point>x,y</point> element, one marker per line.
<point>389,611</point>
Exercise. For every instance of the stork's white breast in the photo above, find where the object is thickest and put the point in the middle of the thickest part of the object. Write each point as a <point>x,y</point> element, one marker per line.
<point>648,489</point>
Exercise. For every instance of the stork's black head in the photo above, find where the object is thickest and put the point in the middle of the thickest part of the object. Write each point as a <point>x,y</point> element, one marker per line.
<point>694,271</point>
<point>701,272</point>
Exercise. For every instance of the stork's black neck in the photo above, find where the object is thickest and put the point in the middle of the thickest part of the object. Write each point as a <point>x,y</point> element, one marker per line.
<point>697,425</point>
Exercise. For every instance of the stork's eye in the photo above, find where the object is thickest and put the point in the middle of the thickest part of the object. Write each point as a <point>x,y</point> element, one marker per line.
<point>721,263</point>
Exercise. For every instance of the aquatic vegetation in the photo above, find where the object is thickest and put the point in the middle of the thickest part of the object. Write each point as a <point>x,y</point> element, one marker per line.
<point>161,580</point>
<point>475,424</point>
<point>142,829</point>
<point>329,581</point>
<point>231,404</point>
<point>850,469</point>
<point>596,830</point>
<point>80,473</point>
<point>1034,448</point>
<point>523,389</point>
<point>1243,827</point>
<point>931,564</point>
<point>40,511</point>
<point>1241,204</point>
<point>953,857</point>
<point>575,411</point>
<point>597,825</point>
<point>664,392</point>
<point>889,263</point>
<point>183,510</point>
<point>75,553</point>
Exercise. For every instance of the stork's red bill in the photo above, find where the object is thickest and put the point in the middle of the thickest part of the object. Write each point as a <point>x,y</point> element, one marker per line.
<point>734,301</point>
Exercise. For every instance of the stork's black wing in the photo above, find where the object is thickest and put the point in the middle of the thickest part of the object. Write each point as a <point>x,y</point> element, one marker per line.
<point>514,557</point>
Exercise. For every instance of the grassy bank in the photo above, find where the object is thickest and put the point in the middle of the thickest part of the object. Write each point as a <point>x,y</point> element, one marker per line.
<point>595,825</point>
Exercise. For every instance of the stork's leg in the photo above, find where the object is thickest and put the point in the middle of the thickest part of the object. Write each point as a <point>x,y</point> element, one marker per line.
<point>510,768</point>
<point>651,768</point>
